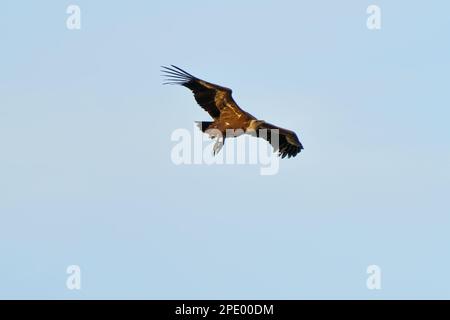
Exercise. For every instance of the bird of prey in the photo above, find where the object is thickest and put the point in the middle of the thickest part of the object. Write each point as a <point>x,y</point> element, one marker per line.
<point>229,117</point>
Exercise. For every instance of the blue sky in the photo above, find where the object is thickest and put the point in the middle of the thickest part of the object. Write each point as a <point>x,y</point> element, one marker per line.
<point>86,176</point>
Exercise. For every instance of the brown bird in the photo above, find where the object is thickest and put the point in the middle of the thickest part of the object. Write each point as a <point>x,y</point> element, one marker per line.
<point>229,117</point>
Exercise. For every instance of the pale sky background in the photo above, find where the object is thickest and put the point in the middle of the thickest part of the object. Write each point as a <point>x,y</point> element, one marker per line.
<point>86,176</point>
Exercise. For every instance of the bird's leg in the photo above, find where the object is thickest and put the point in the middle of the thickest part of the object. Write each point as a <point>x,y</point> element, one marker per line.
<point>218,145</point>
<point>215,133</point>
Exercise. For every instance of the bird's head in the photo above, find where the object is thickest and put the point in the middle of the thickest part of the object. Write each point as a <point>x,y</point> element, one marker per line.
<point>254,125</point>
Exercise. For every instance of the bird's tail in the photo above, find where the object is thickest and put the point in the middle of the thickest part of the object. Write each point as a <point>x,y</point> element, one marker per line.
<point>203,125</point>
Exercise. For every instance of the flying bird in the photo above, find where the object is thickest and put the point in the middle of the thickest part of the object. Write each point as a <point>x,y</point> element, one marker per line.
<point>229,117</point>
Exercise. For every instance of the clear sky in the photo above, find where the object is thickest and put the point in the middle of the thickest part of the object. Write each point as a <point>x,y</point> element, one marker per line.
<point>86,176</point>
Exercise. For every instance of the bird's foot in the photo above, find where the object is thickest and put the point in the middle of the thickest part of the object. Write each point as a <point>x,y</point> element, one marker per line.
<point>217,146</point>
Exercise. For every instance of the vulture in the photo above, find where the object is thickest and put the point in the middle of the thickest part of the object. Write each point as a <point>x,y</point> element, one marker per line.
<point>228,117</point>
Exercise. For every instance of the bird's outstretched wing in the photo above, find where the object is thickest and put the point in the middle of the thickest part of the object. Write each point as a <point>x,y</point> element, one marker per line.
<point>288,143</point>
<point>211,97</point>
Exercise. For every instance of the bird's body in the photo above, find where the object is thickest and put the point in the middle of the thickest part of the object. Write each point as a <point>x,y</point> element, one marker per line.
<point>229,120</point>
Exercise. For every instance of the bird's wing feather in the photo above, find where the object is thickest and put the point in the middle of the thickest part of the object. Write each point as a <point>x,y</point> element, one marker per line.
<point>211,97</point>
<point>282,140</point>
